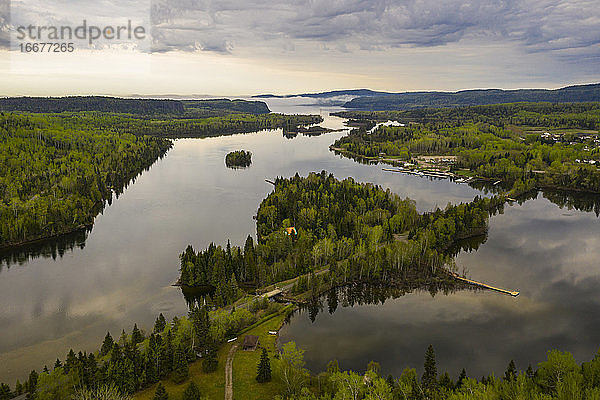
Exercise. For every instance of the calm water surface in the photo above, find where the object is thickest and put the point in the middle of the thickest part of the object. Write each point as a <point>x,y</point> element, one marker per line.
<point>123,271</point>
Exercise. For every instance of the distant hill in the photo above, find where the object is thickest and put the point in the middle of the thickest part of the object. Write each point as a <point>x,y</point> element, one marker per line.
<point>91,103</point>
<point>407,100</point>
<point>325,95</point>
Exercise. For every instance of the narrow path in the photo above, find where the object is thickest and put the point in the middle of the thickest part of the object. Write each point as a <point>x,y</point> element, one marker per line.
<point>229,373</point>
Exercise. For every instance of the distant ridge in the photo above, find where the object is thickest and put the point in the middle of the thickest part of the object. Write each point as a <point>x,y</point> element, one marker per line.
<point>331,93</point>
<point>407,100</point>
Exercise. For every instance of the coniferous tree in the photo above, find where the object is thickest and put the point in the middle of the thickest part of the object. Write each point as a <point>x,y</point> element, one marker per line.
<point>160,393</point>
<point>461,378</point>
<point>5,392</point>
<point>430,369</point>
<point>160,324</point>
<point>32,384</point>
<point>210,362</point>
<point>191,392</point>
<point>107,345</point>
<point>529,372</point>
<point>136,335</point>
<point>263,373</point>
<point>57,364</point>
<point>511,372</point>
<point>180,365</point>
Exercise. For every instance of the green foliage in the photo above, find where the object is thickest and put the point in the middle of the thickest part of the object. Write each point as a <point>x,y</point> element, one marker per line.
<point>160,393</point>
<point>191,392</point>
<point>180,365</point>
<point>103,392</point>
<point>494,141</point>
<point>345,226</point>
<point>429,378</point>
<point>56,179</point>
<point>160,324</point>
<point>263,370</point>
<point>290,369</point>
<point>238,158</point>
<point>210,362</point>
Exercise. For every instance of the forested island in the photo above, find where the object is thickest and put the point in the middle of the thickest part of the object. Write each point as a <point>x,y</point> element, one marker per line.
<point>337,232</point>
<point>528,145</point>
<point>238,159</point>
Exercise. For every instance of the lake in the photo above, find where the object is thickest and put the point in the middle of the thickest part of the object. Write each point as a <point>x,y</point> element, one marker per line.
<point>68,292</point>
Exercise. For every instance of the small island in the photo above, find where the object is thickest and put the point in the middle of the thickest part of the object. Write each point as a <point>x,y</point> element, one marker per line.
<point>238,159</point>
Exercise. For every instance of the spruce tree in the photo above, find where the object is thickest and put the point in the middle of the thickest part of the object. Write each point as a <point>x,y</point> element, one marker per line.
<point>461,378</point>
<point>263,373</point>
<point>511,372</point>
<point>32,383</point>
<point>180,366</point>
<point>161,393</point>
<point>191,392</point>
<point>160,324</point>
<point>430,370</point>
<point>529,372</point>
<point>136,335</point>
<point>57,364</point>
<point>210,362</point>
<point>107,345</point>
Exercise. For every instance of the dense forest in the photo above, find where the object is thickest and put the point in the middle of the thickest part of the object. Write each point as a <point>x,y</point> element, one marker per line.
<point>239,159</point>
<point>338,232</point>
<point>56,179</point>
<point>179,127</point>
<point>91,103</point>
<point>528,145</point>
<point>164,107</point>
<point>408,100</point>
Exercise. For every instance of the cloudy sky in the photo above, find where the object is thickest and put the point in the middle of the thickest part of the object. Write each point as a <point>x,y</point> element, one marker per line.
<point>241,47</point>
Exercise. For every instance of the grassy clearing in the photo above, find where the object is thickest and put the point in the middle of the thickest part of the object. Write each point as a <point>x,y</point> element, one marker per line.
<point>245,386</point>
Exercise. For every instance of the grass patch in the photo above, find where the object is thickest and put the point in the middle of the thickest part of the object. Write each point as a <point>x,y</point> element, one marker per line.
<point>245,386</point>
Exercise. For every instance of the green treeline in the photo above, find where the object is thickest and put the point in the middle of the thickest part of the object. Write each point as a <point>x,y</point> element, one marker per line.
<point>91,103</point>
<point>409,100</point>
<point>347,229</point>
<point>495,142</point>
<point>181,108</point>
<point>56,179</point>
<point>239,158</point>
<point>558,377</point>
<point>180,127</point>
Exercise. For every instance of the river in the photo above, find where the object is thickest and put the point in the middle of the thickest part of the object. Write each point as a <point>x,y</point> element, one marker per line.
<point>121,273</point>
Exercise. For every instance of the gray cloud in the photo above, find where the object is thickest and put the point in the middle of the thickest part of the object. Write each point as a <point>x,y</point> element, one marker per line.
<point>546,25</point>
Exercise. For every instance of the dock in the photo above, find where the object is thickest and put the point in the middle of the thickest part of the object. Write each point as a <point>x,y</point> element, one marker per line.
<point>271,182</point>
<point>486,286</point>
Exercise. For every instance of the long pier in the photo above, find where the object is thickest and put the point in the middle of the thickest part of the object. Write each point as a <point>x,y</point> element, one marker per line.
<point>271,182</point>
<point>484,285</point>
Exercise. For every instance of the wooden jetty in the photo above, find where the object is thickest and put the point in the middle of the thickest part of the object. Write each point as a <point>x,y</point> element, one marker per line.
<point>486,286</point>
<point>271,182</point>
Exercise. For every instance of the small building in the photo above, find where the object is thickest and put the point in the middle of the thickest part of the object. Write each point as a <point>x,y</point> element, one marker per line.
<point>291,231</point>
<point>250,342</point>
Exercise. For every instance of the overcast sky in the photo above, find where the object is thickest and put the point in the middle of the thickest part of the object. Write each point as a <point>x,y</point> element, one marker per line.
<point>240,47</point>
